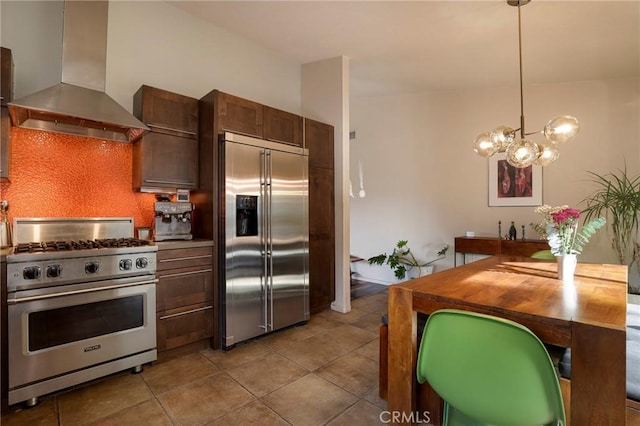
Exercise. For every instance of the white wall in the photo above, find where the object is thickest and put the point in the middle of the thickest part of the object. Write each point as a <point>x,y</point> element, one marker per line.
<point>154,43</point>
<point>424,183</point>
<point>33,32</point>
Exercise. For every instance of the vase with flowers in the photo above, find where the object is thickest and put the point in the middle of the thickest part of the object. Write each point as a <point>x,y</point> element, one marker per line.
<point>566,240</point>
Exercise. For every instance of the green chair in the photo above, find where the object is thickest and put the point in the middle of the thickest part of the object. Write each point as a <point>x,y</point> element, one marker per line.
<point>489,371</point>
<point>543,254</point>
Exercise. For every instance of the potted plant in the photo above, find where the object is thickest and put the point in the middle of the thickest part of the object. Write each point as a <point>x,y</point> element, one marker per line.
<point>402,260</point>
<point>617,197</point>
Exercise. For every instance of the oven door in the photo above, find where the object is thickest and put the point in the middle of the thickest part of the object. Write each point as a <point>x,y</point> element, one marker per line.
<point>63,329</point>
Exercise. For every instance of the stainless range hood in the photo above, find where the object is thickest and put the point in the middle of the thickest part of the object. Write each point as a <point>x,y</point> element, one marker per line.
<point>79,105</point>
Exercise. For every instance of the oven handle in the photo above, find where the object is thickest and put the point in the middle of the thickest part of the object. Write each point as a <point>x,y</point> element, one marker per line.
<point>73,292</point>
<point>192,311</point>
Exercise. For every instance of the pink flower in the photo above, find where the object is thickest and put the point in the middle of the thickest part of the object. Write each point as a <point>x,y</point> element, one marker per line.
<point>566,216</point>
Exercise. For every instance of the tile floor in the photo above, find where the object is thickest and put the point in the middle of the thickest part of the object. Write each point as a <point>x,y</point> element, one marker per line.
<point>321,373</point>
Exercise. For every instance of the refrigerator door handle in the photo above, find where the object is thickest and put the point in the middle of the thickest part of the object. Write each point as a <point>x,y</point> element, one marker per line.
<point>264,238</point>
<point>269,239</point>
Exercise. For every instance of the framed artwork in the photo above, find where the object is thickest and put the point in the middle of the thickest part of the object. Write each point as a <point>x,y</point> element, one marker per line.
<point>511,186</point>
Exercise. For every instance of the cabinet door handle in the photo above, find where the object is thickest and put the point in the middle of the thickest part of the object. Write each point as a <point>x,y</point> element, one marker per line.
<point>170,182</point>
<point>156,126</point>
<point>182,274</point>
<point>192,311</point>
<point>177,259</point>
<point>186,132</point>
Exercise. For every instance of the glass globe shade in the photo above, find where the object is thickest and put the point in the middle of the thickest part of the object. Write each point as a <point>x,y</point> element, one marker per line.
<point>484,146</point>
<point>549,153</point>
<point>502,136</point>
<point>522,153</point>
<point>561,129</point>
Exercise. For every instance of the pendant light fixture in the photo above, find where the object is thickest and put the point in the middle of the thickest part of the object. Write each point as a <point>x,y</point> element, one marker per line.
<point>522,151</point>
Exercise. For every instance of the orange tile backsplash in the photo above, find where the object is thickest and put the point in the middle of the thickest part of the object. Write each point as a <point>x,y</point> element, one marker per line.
<point>55,175</point>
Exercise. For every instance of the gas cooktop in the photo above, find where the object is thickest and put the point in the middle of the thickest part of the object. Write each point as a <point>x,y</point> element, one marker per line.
<point>59,246</point>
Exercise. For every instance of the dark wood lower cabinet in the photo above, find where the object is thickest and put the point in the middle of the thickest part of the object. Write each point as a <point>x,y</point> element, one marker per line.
<point>179,327</point>
<point>185,308</point>
<point>321,277</point>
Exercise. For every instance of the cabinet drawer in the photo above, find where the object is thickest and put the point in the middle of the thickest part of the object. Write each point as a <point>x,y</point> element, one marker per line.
<point>182,287</point>
<point>180,327</point>
<point>184,258</point>
<point>477,245</point>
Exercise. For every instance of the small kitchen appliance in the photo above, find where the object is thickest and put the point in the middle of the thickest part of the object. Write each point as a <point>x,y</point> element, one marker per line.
<point>172,221</point>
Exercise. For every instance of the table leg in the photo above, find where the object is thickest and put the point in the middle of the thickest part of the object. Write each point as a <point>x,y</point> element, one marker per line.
<point>598,375</point>
<point>402,355</point>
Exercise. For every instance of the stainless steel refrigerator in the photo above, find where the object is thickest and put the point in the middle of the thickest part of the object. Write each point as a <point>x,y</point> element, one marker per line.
<point>266,237</point>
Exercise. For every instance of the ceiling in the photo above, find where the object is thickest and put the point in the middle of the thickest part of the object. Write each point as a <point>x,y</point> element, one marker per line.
<point>407,47</point>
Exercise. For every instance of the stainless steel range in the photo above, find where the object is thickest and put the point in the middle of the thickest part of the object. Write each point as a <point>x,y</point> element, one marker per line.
<point>81,303</point>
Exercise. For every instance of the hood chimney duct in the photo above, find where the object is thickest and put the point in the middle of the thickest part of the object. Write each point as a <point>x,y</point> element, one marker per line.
<point>79,105</point>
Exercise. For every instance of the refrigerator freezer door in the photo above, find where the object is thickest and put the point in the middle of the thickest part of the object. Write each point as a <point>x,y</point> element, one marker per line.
<point>245,281</point>
<point>288,296</point>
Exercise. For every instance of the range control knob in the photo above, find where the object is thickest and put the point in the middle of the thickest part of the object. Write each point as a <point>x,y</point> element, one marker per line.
<point>142,262</point>
<point>54,271</point>
<point>91,267</point>
<point>31,273</point>
<point>125,264</point>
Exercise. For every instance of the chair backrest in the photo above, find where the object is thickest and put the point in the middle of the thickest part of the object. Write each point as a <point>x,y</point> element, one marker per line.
<point>490,369</point>
<point>543,254</point>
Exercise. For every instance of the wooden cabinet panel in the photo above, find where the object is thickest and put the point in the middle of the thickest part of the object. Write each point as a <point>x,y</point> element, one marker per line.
<point>181,327</point>
<point>235,114</point>
<point>523,247</point>
<point>477,245</point>
<point>183,287</point>
<point>282,126</point>
<point>166,112</point>
<point>167,161</point>
<point>318,139</point>
<point>321,274</point>
<point>319,142</point>
<point>5,142</point>
<point>185,297</point>
<point>184,258</point>
<point>6,76</point>
<point>321,204</point>
<point>166,158</point>
<point>497,246</point>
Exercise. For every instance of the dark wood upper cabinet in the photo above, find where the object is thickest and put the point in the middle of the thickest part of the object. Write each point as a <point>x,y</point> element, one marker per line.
<point>165,161</point>
<point>282,126</point>
<point>166,112</point>
<point>6,76</point>
<point>240,115</point>
<point>318,139</point>
<point>166,158</point>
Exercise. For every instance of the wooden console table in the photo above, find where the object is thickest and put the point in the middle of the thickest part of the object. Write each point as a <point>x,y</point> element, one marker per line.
<point>496,247</point>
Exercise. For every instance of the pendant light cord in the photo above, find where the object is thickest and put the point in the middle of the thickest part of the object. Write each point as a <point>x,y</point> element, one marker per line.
<point>521,91</point>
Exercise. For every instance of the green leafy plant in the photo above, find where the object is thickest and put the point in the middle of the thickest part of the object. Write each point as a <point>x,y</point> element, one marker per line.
<point>402,260</point>
<point>618,197</point>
